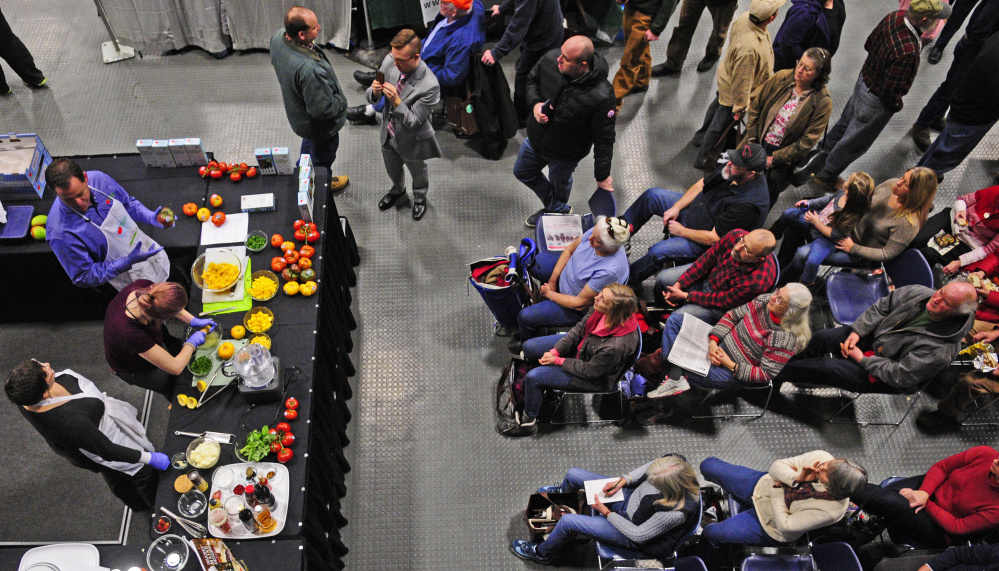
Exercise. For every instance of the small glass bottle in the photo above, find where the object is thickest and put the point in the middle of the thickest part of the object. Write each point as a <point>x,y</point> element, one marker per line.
<point>250,495</point>
<point>251,525</point>
<point>264,496</point>
<point>197,481</point>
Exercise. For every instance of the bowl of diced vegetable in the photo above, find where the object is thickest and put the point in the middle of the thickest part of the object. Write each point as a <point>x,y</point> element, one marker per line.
<point>256,241</point>
<point>200,365</point>
<point>263,285</point>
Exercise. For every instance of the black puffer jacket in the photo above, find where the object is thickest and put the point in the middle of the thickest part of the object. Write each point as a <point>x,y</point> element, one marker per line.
<point>583,113</point>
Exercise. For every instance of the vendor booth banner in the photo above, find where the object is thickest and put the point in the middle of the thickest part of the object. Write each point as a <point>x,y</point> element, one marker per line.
<point>430,9</point>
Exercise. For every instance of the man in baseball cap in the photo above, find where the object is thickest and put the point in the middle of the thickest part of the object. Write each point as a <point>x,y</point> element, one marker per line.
<point>930,9</point>
<point>733,196</point>
<point>763,9</point>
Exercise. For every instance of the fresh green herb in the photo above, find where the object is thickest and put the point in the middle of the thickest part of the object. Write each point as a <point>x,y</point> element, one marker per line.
<point>201,365</point>
<point>256,242</point>
<point>258,444</point>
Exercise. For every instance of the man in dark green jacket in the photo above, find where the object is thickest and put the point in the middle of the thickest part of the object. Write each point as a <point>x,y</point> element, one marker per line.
<point>642,23</point>
<point>313,100</point>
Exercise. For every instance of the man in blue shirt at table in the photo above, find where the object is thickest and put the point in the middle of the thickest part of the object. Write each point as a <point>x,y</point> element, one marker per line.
<point>92,229</point>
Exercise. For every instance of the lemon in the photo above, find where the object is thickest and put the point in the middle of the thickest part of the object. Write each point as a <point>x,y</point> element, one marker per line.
<point>182,400</point>
<point>238,332</point>
<point>192,403</point>
<point>202,386</point>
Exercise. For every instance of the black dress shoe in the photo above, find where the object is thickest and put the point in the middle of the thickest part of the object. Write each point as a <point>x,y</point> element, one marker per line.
<point>935,55</point>
<point>356,115</point>
<point>365,78</point>
<point>664,69</point>
<point>419,209</point>
<point>389,200</point>
<point>707,63</point>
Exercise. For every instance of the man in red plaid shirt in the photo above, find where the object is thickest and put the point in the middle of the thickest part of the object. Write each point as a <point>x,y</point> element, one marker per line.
<point>735,270</point>
<point>892,60</point>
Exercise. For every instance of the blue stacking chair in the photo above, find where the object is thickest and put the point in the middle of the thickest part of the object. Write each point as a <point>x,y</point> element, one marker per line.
<point>609,556</point>
<point>850,294</point>
<point>767,562</point>
<point>836,556</point>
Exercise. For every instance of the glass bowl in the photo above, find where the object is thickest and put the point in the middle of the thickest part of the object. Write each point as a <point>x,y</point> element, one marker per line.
<point>195,357</point>
<point>265,274</point>
<point>213,445</point>
<point>256,233</point>
<point>223,257</point>
<point>251,313</point>
<point>212,338</point>
<point>267,339</point>
<point>179,461</point>
<point>192,504</point>
<point>168,553</point>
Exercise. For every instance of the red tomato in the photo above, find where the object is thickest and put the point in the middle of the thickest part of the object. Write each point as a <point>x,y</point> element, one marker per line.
<point>224,168</point>
<point>304,263</point>
<point>277,240</point>
<point>213,164</point>
<point>218,219</point>
<point>235,176</point>
<point>285,455</point>
<point>251,172</point>
<point>203,171</point>
<point>215,200</point>
<point>298,224</point>
<point>242,166</point>
<point>291,256</point>
<point>291,403</point>
<point>273,431</point>
<point>278,263</point>
<point>307,251</point>
<point>276,446</point>
<point>301,234</point>
<point>309,227</point>
<point>313,237</point>
<point>190,209</point>
<point>287,440</point>
<point>291,414</point>
<point>283,427</point>
<point>216,174</point>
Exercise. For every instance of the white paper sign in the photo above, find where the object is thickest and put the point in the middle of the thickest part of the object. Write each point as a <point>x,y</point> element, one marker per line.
<point>596,487</point>
<point>430,9</point>
<point>690,349</point>
<point>561,230</point>
<point>233,231</point>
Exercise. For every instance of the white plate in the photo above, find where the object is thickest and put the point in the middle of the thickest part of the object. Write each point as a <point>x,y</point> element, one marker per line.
<point>65,556</point>
<point>281,489</point>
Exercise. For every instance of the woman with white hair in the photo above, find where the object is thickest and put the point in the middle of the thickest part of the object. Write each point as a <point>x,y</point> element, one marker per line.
<point>586,266</point>
<point>661,499</point>
<point>749,346</point>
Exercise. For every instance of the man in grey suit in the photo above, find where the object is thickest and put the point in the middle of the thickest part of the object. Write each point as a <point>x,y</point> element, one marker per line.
<point>407,137</point>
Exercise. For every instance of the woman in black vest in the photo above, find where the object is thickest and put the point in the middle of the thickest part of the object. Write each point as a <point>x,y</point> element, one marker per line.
<point>661,501</point>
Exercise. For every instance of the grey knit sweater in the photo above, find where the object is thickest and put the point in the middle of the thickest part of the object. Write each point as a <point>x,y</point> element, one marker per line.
<point>658,524</point>
<point>880,235</point>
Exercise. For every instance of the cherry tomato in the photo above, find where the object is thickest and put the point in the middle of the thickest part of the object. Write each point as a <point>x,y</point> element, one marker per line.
<point>313,237</point>
<point>216,174</point>
<point>309,227</point>
<point>288,439</point>
<point>277,240</point>
<point>276,446</point>
<point>224,168</point>
<point>213,164</point>
<point>278,263</point>
<point>301,234</point>
<point>283,427</point>
<point>273,431</point>
<point>291,414</point>
<point>203,171</point>
<point>285,455</point>
<point>298,224</point>
<point>307,251</point>
<point>235,176</point>
<point>251,172</point>
<point>291,403</point>
<point>242,166</point>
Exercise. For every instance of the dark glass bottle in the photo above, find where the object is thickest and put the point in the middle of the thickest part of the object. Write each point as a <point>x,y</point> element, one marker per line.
<point>264,496</point>
<point>246,516</point>
<point>250,495</point>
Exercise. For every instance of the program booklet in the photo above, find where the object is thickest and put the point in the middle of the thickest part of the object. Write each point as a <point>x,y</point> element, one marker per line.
<point>690,350</point>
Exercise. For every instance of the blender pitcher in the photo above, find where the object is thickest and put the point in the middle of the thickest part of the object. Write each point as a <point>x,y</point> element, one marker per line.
<point>254,364</point>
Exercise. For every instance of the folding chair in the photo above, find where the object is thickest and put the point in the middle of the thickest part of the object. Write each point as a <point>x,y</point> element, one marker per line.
<point>910,397</point>
<point>612,556</point>
<point>617,391</point>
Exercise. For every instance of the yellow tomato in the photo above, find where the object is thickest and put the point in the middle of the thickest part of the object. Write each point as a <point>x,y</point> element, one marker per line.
<point>306,290</point>
<point>291,288</point>
<point>312,285</point>
<point>204,214</point>
<point>237,332</point>
<point>226,350</point>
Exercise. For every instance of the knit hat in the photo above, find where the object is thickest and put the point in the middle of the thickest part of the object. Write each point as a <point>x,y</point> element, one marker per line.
<point>763,9</point>
<point>467,4</point>
<point>930,9</point>
<point>750,156</point>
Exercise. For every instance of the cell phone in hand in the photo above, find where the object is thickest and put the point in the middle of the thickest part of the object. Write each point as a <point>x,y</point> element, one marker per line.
<point>547,109</point>
<point>380,76</point>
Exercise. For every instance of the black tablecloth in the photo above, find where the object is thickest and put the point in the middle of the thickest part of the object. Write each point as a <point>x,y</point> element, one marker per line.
<point>278,555</point>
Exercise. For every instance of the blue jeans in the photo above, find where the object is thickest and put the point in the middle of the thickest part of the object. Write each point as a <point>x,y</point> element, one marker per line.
<point>543,377</point>
<point>718,377</point>
<point>658,201</point>
<point>862,120</point>
<point>953,145</point>
<point>553,190</point>
<point>572,526</point>
<point>533,318</point>
<point>744,528</point>
<point>323,151</point>
<point>796,270</point>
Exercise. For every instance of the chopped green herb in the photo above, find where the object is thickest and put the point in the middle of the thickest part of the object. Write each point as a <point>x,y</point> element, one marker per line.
<point>201,365</point>
<point>256,242</point>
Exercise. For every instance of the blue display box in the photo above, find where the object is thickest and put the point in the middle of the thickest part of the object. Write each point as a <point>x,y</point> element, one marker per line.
<point>23,160</point>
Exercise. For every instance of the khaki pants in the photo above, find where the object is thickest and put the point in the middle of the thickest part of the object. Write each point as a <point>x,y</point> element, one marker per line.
<point>969,387</point>
<point>690,14</point>
<point>636,61</point>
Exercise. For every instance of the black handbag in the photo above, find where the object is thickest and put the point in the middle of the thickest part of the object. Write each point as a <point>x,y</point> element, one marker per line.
<point>460,113</point>
<point>811,163</point>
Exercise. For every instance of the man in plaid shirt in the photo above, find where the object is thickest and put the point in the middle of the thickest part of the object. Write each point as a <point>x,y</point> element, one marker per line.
<point>892,60</point>
<point>734,271</point>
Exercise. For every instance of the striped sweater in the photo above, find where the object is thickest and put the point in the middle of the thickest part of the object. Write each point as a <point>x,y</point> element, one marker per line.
<point>754,340</point>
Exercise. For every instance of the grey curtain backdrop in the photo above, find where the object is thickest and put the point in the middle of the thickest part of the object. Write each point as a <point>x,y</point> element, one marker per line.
<point>157,26</point>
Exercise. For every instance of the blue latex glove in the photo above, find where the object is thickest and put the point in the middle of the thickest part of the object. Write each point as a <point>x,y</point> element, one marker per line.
<point>198,323</point>
<point>159,460</point>
<point>197,339</point>
<point>137,255</point>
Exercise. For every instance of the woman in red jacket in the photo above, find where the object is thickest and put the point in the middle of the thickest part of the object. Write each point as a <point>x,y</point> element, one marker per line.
<point>957,498</point>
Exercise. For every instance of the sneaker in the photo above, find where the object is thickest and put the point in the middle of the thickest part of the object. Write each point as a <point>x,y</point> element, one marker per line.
<point>669,388</point>
<point>935,55</point>
<point>41,85</point>
<point>934,420</point>
<point>554,489</point>
<point>338,183</point>
<point>7,92</point>
<point>519,427</point>
<point>532,220</point>
<point>528,551</point>
<point>516,346</point>
<point>921,136</point>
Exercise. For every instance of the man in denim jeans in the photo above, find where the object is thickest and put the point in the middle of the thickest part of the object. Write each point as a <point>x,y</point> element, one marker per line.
<point>891,65</point>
